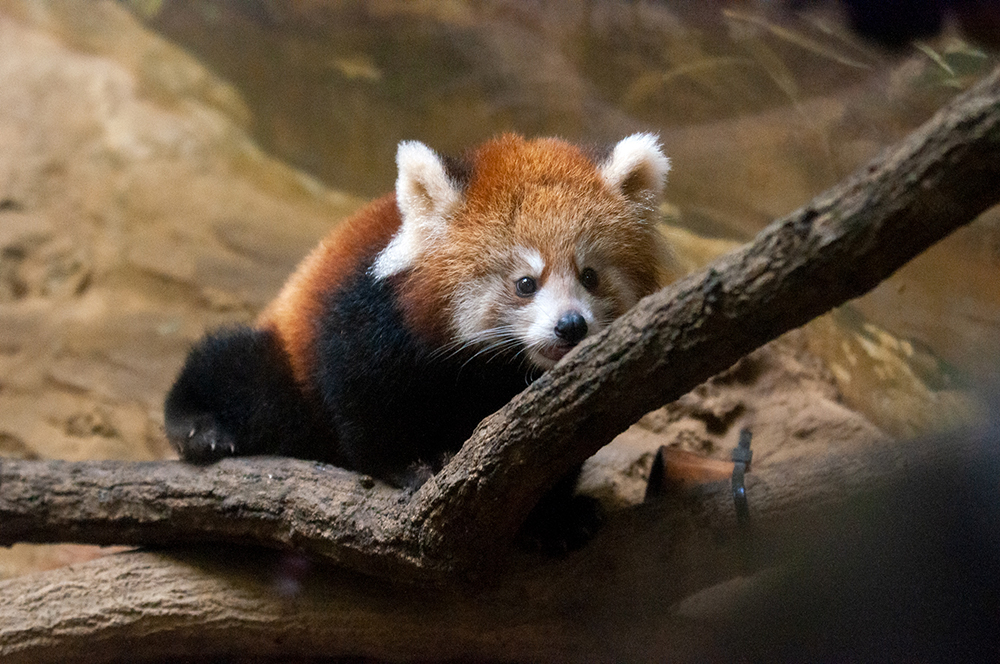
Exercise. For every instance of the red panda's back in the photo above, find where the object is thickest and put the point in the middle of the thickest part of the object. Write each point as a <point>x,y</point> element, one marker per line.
<point>293,314</point>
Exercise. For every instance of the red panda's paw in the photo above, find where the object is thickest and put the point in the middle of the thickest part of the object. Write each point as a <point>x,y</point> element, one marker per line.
<point>236,396</point>
<point>200,439</point>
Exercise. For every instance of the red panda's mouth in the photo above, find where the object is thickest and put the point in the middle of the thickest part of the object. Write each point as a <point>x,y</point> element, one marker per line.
<point>555,352</point>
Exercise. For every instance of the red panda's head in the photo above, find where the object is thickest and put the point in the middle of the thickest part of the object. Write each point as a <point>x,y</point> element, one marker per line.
<point>525,246</point>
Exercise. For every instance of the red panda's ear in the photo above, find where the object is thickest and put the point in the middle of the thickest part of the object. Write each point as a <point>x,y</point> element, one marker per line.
<point>637,168</point>
<point>427,196</point>
<point>423,186</point>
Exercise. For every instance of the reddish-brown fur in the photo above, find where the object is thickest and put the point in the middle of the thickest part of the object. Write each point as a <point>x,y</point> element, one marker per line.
<point>431,308</point>
<point>521,192</point>
<point>526,192</point>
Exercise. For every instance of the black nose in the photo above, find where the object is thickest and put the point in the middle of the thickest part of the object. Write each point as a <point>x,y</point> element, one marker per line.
<point>571,328</point>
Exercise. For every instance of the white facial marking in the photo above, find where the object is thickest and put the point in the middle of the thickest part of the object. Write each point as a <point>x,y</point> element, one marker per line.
<point>560,294</point>
<point>490,316</point>
<point>475,303</point>
<point>534,261</point>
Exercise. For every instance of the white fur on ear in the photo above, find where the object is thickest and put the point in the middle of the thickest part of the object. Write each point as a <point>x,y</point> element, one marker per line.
<point>426,197</point>
<point>637,167</point>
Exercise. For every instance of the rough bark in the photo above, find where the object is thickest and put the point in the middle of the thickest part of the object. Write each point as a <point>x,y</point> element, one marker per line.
<point>284,503</point>
<point>200,602</point>
<point>839,246</point>
<point>662,581</point>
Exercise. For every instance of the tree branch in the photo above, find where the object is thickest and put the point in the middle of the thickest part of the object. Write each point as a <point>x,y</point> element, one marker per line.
<point>274,501</point>
<point>620,599</point>
<point>839,246</point>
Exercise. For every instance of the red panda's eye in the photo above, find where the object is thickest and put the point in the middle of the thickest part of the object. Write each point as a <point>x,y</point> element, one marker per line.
<point>525,286</point>
<point>588,277</point>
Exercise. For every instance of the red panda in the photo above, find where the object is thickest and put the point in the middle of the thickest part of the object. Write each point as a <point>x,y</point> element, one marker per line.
<point>431,307</point>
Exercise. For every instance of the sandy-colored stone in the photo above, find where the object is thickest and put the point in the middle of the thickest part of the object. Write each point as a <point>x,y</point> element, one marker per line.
<point>135,213</point>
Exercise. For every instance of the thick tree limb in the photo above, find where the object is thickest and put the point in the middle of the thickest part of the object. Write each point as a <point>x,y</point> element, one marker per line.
<point>267,500</point>
<point>660,582</point>
<point>839,246</point>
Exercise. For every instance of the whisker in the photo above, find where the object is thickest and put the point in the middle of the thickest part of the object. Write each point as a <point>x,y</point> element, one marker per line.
<point>485,345</point>
<point>499,333</point>
<point>494,350</point>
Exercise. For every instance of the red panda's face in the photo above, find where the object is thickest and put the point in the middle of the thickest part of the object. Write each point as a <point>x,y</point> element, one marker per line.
<point>544,307</point>
<point>549,268</point>
<point>530,250</point>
